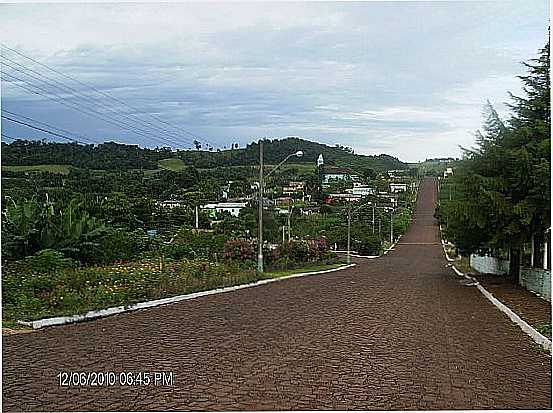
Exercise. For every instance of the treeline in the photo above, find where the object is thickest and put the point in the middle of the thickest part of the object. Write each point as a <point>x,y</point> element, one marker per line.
<point>115,156</point>
<point>500,196</point>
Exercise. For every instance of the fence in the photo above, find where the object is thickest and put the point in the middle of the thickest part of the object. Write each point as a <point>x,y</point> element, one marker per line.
<point>536,280</point>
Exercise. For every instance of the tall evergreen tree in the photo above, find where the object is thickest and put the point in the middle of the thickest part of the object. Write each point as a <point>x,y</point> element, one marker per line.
<point>503,184</point>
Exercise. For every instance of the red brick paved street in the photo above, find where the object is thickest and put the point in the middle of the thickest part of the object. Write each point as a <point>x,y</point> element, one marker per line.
<point>399,332</point>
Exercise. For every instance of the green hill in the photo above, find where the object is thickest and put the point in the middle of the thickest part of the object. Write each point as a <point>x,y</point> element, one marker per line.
<point>115,156</point>
<point>172,164</point>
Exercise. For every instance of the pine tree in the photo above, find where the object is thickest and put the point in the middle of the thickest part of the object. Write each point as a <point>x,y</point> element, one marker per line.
<point>504,183</point>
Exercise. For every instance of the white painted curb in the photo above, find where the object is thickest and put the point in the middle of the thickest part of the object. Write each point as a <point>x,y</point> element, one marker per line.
<point>47,322</point>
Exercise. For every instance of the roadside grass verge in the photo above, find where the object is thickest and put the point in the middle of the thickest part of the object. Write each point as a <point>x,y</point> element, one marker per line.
<point>32,295</point>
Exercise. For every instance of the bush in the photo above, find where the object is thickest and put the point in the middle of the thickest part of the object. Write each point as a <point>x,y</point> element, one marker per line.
<point>294,251</point>
<point>120,244</point>
<point>47,260</point>
<point>205,245</point>
<point>239,250</point>
<point>318,249</point>
<point>366,244</point>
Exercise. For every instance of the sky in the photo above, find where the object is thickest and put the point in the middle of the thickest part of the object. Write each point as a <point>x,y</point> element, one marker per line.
<point>408,79</point>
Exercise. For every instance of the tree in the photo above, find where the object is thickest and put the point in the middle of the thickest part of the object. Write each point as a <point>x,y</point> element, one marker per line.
<point>502,186</point>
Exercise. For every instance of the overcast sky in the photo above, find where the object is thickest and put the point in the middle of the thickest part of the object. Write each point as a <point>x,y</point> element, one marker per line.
<point>403,78</point>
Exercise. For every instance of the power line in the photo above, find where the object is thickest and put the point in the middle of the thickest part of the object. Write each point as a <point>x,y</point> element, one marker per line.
<point>41,129</point>
<point>89,112</point>
<point>193,135</point>
<point>84,137</point>
<point>8,137</point>
<point>77,93</point>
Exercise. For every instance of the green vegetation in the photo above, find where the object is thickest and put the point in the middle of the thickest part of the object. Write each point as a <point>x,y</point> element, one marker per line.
<point>119,157</point>
<point>544,329</point>
<point>500,196</point>
<point>120,226</point>
<point>172,164</point>
<point>55,169</point>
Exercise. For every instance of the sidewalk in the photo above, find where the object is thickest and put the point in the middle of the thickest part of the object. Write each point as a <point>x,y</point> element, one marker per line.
<point>531,308</point>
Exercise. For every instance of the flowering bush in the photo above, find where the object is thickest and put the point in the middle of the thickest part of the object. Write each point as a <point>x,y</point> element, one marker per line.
<point>318,249</point>
<point>239,250</point>
<point>294,251</point>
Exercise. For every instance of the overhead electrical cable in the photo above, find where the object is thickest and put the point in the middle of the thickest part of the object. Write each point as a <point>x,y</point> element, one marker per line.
<point>41,129</point>
<point>76,93</point>
<point>105,94</point>
<point>58,99</point>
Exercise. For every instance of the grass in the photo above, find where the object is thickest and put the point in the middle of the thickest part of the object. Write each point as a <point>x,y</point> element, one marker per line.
<point>463,265</point>
<point>30,295</point>
<point>172,164</point>
<point>13,325</point>
<point>56,169</point>
<point>544,329</point>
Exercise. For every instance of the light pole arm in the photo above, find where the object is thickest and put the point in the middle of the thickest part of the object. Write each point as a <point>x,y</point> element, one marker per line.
<point>279,165</point>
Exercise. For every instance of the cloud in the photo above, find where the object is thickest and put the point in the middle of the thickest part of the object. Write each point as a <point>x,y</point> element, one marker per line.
<point>407,78</point>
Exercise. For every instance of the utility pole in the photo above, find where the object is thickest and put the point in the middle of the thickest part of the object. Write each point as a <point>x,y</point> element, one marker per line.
<point>349,235</point>
<point>373,219</point>
<point>290,209</point>
<point>197,218</point>
<point>299,154</point>
<point>260,207</point>
<point>391,226</point>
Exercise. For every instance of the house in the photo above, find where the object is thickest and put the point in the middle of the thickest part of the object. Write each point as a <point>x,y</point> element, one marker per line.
<point>293,188</point>
<point>398,187</point>
<point>233,208</point>
<point>448,172</point>
<point>283,201</point>
<point>170,204</point>
<point>396,173</point>
<point>333,198</point>
<point>361,190</point>
<point>310,210</point>
<point>390,198</point>
<point>333,174</point>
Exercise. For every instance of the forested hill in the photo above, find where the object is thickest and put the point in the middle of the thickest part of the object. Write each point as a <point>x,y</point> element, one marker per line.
<point>114,156</point>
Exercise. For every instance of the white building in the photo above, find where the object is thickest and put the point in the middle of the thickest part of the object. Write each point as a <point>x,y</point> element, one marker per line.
<point>233,208</point>
<point>361,190</point>
<point>170,204</point>
<point>395,187</point>
<point>448,172</point>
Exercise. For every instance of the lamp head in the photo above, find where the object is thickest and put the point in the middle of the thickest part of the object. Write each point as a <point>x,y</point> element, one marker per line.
<point>299,154</point>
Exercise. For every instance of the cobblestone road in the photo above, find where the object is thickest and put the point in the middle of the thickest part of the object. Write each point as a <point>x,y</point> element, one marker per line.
<point>399,332</point>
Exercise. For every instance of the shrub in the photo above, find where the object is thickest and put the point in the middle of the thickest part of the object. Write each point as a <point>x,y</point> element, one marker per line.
<point>318,249</point>
<point>239,250</point>
<point>366,244</point>
<point>47,260</point>
<point>120,244</point>
<point>294,251</point>
<point>204,244</point>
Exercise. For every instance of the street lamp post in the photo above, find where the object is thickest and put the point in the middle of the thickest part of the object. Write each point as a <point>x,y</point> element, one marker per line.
<point>260,212</point>
<point>299,154</point>
<point>349,235</point>
<point>391,225</point>
<point>348,256</point>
